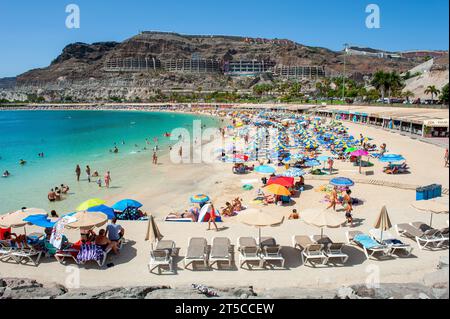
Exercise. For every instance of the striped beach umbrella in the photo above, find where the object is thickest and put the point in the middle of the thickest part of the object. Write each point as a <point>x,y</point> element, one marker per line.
<point>200,198</point>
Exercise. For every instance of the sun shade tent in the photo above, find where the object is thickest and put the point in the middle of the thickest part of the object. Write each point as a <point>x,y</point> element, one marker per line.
<point>432,207</point>
<point>126,204</point>
<point>259,218</point>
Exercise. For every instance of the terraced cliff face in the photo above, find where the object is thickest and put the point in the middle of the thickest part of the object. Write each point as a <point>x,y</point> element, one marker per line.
<point>81,61</point>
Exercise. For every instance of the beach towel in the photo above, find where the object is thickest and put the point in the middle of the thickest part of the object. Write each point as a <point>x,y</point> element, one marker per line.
<point>56,238</point>
<point>90,252</point>
<point>367,241</point>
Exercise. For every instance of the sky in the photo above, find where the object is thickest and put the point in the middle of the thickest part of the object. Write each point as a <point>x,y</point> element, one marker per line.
<point>33,33</point>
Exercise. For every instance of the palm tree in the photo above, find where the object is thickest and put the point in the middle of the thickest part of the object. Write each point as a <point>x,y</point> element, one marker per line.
<point>431,89</point>
<point>395,82</point>
<point>407,95</point>
<point>380,81</point>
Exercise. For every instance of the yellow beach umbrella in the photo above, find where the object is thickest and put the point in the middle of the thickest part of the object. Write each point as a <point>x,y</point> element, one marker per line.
<point>90,203</point>
<point>278,190</point>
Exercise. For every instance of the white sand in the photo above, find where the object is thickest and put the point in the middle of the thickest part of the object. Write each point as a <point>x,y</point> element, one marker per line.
<point>159,197</point>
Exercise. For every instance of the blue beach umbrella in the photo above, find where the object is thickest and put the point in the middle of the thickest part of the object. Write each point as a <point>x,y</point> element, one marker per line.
<point>391,158</point>
<point>312,163</point>
<point>40,221</point>
<point>108,211</point>
<point>265,169</point>
<point>323,158</point>
<point>342,182</point>
<point>126,203</point>
<point>200,198</point>
<point>293,172</point>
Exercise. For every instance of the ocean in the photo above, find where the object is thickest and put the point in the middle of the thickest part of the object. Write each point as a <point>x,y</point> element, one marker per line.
<point>68,138</point>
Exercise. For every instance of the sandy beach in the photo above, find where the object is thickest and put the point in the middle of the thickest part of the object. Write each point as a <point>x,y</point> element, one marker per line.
<point>168,190</point>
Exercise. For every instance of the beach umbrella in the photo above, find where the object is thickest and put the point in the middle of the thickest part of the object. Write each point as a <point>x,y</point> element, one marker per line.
<point>16,219</point>
<point>108,211</point>
<point>392,158</point>
<point>360,153</point>
<point>278,190</point>
<point>351,149</point>
<point>323,219</point>
<point>241,157</point>
<point>87,220</point>
<point>125,204</point>
<point>259,218</point>
<point>312,163</point>
<point>432,207</point>
<point>90,203</point>
<point>383,222</point>
<point>200,198</point>
<point>281,180</point>
<point>342,182</point>
<point>153,233</point>
<point>293,172</point>
<point>265,169</point>
<point>40,220</point>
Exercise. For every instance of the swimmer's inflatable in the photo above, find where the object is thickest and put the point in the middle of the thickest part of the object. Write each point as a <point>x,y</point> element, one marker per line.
<point>205,214</point>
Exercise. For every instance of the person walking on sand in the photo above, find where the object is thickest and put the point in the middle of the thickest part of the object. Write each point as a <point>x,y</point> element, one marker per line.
<point>330,165</point>
<point>155,158</point>
<point>107,179</point>
<point>333,198</point>
<point>78,172</point>
<point>347,204</point>
<point>88,173</point>
<point>212,217</point>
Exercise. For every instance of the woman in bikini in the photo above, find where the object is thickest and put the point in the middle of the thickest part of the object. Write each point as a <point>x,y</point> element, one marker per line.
<point>333,199</point>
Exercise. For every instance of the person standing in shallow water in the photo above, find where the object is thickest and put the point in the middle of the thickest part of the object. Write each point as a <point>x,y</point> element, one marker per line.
<point>107,178</point>
<point>88,173</point>
<point>78,172</point>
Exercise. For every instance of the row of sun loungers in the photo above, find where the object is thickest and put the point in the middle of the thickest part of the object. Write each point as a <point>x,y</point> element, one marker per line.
<point>321,249</point>
<point>28,254</point>
<point>424,235</point>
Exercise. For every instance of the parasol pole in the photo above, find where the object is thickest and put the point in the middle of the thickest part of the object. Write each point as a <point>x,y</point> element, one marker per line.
<point>360,163</point>
<point>431,219</point>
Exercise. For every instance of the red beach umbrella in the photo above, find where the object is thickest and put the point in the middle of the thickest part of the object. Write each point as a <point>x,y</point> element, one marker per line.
<point>281,180</point>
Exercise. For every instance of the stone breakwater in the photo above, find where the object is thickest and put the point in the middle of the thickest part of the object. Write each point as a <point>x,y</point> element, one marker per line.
<point>433,286</point>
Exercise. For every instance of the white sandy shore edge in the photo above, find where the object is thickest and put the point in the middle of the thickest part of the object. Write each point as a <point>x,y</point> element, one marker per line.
<point>160,197</point>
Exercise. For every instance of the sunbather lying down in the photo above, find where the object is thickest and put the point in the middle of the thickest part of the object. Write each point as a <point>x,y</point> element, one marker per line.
<point>186,214</point>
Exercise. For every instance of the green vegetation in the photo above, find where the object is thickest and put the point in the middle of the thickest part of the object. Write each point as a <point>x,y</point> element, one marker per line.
<point>444,95</point>
<point>433,91</point>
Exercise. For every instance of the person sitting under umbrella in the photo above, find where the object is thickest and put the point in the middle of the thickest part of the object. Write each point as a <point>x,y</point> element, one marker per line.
<point>105,243</point>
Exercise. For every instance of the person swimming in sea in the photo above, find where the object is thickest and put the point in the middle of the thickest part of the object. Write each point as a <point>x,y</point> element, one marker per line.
<point>116,150</point>
<point>6,173</point>
<point>22,162</point>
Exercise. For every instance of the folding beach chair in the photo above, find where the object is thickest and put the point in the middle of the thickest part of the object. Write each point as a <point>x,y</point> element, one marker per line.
<point>431,238</point>
<point>249,252</point>
<point>370,247</point>
<point>389,240</point>
<point>221,251</point>
<point>197,252</point>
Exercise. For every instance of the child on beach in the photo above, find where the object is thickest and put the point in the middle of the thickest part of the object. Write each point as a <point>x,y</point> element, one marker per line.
<point>99,182</point>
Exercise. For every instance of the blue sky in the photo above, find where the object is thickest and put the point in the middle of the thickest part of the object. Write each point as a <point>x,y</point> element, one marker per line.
<point>33,33</point>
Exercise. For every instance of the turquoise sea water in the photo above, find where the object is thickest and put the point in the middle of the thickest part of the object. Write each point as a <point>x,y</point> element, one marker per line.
<point>68,138</point>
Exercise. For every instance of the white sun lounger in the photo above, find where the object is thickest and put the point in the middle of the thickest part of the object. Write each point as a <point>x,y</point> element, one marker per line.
<point>221,251</point>
<point>431,238</point>
<point>160,258</point>
<point>271,252</point>
<point>25,255</point>
<point>309,250</point>
<point>197,251</point>
<point>5,251</point>
<point>369,245</point>
<point>389,240</point>
<point>249,252</point>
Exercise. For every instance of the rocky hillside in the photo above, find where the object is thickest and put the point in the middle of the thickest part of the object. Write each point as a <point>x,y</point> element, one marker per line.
<point>79,71</point>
